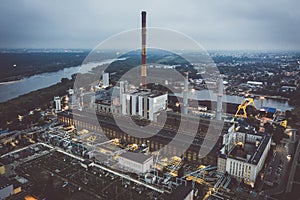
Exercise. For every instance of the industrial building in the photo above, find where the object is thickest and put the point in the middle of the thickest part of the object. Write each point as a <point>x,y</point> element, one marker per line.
<point>72,103</point>
<point>105,102</point>
<point>137,163</point>
<point>105,79</point>
<point>107,106</point>
<point>255,83</point>
<point>57,103</point>
<point>243,153</point>
<point>288,88</point>
<point>144,103</point>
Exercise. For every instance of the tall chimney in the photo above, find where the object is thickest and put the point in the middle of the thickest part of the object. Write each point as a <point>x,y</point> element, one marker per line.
<point>144,69</point>
<point>219,99</point>
<point>185,93</point>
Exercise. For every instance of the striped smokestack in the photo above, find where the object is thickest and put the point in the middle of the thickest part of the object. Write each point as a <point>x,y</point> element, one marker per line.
<point>144,69</point>
<point>185,93</point>
<point>219,99</point>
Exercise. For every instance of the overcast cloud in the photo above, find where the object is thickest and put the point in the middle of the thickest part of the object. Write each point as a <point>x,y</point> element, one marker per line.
<point>216,24</point>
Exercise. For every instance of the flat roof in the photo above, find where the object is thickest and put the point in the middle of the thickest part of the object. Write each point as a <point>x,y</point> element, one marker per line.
<point>268,109</point>
<point>261,148</point>
<point>4,182</point>
<point>247,130</point>
<point>136,157</point>
<point>104,101</point>
<point>148,93</point>
<point>249,149</point>
<point>255,82</point>
<point>139,92</point>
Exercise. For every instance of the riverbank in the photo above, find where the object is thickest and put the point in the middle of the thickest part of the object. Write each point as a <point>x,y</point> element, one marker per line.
<point>16,65</point>
<point>21,105</point>
<point>10,90</point>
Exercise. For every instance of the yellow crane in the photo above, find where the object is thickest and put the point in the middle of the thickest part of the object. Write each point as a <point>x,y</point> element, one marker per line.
<point>281,123</point>
<point>243,106</point>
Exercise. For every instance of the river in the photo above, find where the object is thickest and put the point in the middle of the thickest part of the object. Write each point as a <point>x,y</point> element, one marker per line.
<point>12,89</point>
<point>211,96</point>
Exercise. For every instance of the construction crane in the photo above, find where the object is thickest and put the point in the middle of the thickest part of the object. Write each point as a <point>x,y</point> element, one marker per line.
<point>243,106</point>
<point>281,123</point>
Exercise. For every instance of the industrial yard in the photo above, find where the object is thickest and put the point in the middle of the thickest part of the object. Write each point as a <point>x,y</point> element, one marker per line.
<point>63,177</point>
<point>85,167</point>
<point>53,173</point>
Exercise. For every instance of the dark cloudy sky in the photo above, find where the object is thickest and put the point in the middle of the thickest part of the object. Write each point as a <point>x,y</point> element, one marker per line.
<point>216,24</point>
